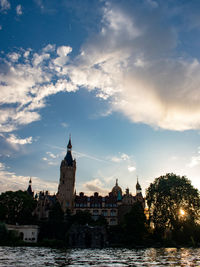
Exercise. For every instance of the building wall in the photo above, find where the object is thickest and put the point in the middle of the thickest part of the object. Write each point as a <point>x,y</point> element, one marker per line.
<point>66,185</point>
<point>28,233</point>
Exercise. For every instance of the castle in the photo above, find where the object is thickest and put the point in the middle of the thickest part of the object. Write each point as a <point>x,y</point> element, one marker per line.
<point>113,206</point>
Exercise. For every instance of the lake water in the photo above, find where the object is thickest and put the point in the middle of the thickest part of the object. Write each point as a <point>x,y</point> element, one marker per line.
<point>28,256</point>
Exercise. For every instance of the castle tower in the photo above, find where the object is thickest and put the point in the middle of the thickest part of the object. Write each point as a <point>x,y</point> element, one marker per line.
<point>138,188</point>
<point>66,186</point>
<point>29,189</point>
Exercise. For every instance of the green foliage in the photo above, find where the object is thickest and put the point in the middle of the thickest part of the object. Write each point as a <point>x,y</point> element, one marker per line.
<point>115,235</point>
<point>134,225</point>
<point>16,207</point>
<point>166,196</point>
<point>55,228</point>
<point>56,213</point>
<point>9,238</point>
<point>3,233</point>
<point>101,221</point>
<point>82,218</point>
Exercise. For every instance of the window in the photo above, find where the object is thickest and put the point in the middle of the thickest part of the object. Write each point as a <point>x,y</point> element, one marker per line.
<point>113,213</point>
<point>113,221</point>
<point>104,212</point>
<point>95,212</point>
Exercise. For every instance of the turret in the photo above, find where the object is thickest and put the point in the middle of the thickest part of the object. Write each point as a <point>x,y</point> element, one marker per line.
<point>138,188</point>
<point>116,189</point>
<point>29,189</point>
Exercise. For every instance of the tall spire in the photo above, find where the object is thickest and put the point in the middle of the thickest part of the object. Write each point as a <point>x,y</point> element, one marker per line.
<point>116,182</point>
<point>29,189</point>
<point>69,146</point>
<point>68,156</point>
<point>138,187</point>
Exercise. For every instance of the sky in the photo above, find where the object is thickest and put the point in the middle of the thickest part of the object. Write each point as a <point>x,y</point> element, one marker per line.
<point>122,77</point>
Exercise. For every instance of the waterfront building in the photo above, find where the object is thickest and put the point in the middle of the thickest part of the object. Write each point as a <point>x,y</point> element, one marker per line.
<point>27,233</point>
<point>66,188</point>
<point>112,206</point>
<point>45,202</point>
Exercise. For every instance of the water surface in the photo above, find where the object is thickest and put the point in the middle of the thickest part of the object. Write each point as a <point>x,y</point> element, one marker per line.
<point>28,256</point>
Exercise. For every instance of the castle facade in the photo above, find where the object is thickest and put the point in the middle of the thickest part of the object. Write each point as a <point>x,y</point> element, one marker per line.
<point>113,206</point>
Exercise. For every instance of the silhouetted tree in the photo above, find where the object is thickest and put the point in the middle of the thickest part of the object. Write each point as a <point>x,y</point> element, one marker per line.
<point>55,227</point>
<point>56,213</point>
<point>101,221</point>
<point>16,207</point>
<point>166,197</point>
<point>134,225</point>
<point>3,233</point>
<point>82,218</point>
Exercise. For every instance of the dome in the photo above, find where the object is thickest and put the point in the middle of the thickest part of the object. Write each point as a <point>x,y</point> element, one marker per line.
<point>116,189</point>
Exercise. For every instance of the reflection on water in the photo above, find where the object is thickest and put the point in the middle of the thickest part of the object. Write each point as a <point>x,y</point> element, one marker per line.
<point>27,256</point>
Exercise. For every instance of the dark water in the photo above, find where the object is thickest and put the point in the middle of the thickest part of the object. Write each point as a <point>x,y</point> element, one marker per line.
<point>27,256</point>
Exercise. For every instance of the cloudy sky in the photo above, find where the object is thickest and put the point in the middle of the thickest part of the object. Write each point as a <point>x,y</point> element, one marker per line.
<point>123,77</point>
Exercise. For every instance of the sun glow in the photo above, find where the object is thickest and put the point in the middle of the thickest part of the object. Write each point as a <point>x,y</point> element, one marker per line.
<point>182,212</point>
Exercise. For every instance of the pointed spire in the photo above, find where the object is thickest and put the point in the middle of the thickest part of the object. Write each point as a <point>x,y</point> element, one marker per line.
<point>138,186</point>
<point>68,156</point>
<point>29,189</point>
<point>69,146</point>
<point>116,182</point>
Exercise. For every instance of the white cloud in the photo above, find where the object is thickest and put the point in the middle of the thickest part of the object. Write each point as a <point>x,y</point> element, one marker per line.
<point>16,142</point>
<point>19,10</point>
<point>124,64</point>
<point>14,57</point>
<point>131,168</point>
<point>94,185</point>
<point>124,160</point>
<point>49,48</point>
<point>62,58</point>
<point>120,158</point>
<point>51,155</point>
<point>64,124</point>
<point>52,159</point>
<point>37,59</point>
<point>13,139</point>
<point>11,181</point>
<point>27,84</point>
<point>4,5</point>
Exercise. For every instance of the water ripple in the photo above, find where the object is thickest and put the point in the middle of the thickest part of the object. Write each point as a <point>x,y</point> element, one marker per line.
<point>35,257</point>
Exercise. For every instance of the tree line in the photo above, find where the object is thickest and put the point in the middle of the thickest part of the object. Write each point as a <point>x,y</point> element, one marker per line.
<point>172,218</point>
